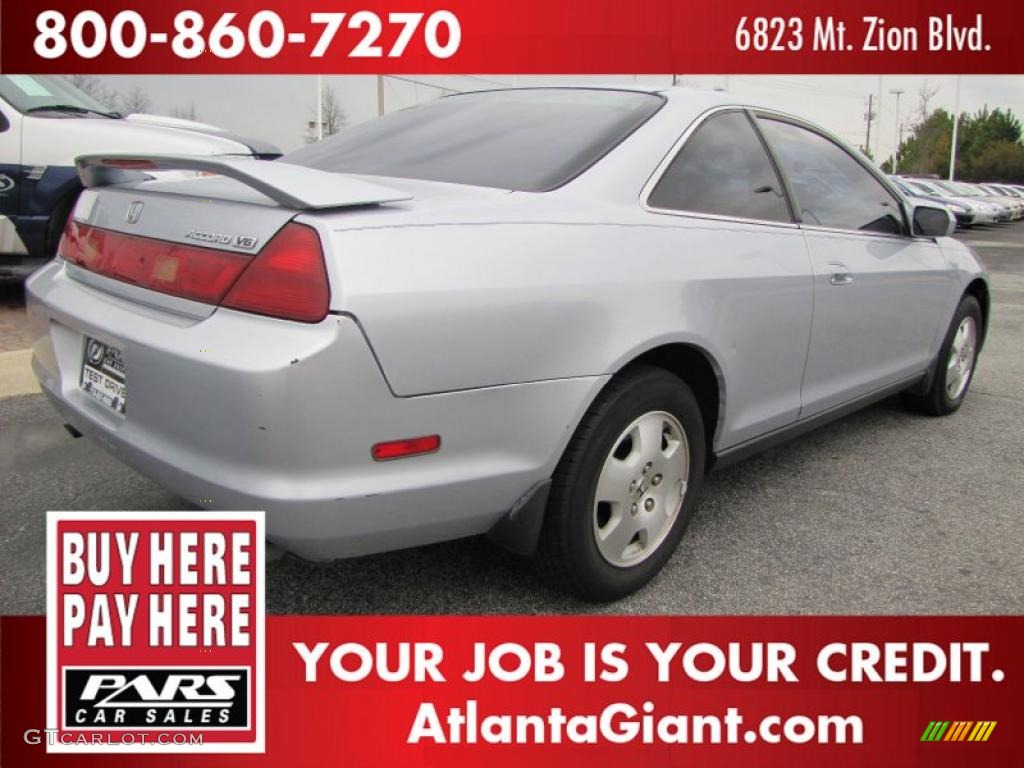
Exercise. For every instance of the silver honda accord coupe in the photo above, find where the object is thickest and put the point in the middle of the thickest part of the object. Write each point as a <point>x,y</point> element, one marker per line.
<point>540,314</point>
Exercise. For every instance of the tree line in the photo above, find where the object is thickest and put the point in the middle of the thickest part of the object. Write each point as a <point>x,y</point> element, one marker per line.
<point>134,101</point>
<point>333,115</point>
<point>989,147</point>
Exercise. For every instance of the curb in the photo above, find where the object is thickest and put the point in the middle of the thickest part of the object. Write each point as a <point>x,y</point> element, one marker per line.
<point>16,377</point>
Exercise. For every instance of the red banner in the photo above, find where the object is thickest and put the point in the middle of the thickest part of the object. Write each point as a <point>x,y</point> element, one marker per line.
<point>529,36</point>
<point>371,691</point>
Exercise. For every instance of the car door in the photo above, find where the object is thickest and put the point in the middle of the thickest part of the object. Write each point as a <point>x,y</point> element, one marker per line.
<point>878,292</point>
<point>745,273</point>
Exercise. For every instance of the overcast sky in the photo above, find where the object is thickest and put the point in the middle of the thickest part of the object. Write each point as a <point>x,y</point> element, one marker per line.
<point>278,108</point>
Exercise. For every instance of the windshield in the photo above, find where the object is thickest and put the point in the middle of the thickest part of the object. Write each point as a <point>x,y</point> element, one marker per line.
<point>922,187</point>
<point>526,139</point>
<point>959,190</point>
<point>25,92</point>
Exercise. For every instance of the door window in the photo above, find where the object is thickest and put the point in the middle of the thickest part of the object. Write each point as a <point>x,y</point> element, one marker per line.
<point>723,169</point>
<point>832,188</point>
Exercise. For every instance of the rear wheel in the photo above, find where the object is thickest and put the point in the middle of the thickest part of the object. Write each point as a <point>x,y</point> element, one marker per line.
<point>955,364</point>
<point>624,491</point>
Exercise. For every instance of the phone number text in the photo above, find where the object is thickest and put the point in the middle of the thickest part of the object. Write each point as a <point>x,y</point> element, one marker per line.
<point>357,35</point>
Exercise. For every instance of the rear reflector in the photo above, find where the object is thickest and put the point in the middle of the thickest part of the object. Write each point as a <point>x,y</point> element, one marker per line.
<point>286,279</point>
<point>397,449</point>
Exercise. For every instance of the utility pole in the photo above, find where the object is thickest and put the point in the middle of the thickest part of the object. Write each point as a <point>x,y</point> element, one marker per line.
<point>869,116</point>
<point>878,130</point>
<point>380,95</point>
<point>956,127</point>
<point>897,92</point>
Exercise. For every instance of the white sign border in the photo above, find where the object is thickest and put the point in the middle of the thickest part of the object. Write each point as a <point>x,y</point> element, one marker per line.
<point>258,746</point>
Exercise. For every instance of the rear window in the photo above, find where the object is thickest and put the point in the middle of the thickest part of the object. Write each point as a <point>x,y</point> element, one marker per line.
<point>530,140</point>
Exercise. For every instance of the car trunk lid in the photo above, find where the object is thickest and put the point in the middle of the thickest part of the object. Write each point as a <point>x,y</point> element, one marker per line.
<point>182,244</point>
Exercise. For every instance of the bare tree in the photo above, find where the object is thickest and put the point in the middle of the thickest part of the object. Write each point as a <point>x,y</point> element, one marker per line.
<point>924,95</point>
<point>94,87</point>
<point>333,115</point>
<point>134,101</point>
<point>185,114</point>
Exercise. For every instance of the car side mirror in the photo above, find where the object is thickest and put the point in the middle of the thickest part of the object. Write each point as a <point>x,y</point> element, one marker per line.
<point>932,221</point>
<point>4,124</point>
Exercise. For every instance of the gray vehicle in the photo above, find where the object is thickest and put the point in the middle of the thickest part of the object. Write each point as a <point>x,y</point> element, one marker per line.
<point>983,212</point>
<point>962,211</point>
<point>538,314</point>
<point>1005,197</point>
<point>1012,204</point>
<point>1004,210</point>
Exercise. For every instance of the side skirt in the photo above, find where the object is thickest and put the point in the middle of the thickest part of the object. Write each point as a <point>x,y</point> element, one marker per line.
<point>745,450</point>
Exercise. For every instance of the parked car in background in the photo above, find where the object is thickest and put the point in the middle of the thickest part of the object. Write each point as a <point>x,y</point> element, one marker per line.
<point>1006,192</point>
<point>981,212</point>
<point>961,190</point>
<point>540,314</point>
<point>1012,202</point>
<point>45,122</point>
<point>963,212</point>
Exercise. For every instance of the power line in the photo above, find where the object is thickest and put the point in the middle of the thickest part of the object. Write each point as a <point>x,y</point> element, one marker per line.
<point>486,80</point>
<point>424,83</point>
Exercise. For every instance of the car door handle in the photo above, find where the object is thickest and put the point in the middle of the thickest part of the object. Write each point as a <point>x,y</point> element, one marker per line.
<point>840,273</point>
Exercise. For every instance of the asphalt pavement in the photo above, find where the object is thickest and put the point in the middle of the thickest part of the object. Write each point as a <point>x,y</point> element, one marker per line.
<point>882,512</point>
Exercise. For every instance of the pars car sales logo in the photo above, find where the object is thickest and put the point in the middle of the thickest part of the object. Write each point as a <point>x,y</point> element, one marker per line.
<point>155,632</point>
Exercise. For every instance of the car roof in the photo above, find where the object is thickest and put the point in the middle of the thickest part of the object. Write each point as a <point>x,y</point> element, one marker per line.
<point>680,93</point>
<point>685,102</point>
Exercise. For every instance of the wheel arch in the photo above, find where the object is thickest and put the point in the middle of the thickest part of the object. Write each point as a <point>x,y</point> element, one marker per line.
<point>978,288</point>
<point>519,530</point>
<point>701,372</point>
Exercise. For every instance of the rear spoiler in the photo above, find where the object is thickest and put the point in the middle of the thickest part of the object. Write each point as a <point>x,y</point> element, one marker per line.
<point>292,186</point>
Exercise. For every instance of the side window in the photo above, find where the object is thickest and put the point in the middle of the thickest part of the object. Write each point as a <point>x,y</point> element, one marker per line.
<point>723,169</point>
<point>832,189</point>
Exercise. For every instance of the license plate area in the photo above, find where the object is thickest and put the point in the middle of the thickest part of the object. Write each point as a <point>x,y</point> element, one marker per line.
<point>103,374</point>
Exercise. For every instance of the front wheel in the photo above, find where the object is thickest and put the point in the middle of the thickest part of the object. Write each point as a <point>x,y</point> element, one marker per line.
<point>955,365</point>
<point>623,494</point>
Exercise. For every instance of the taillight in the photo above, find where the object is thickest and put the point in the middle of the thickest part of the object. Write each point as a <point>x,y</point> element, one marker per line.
<point>199,274</point>
<point>286,279</point>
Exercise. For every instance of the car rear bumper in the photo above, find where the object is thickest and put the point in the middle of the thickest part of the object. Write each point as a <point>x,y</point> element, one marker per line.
<point>237,411</point>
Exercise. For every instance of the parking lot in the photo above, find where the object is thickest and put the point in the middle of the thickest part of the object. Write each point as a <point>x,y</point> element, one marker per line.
<point>881,512</point>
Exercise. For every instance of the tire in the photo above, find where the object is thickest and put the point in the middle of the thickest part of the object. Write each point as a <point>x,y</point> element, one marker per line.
<point>58,219</point>
<point>582,534</point>
<point>955,365</point>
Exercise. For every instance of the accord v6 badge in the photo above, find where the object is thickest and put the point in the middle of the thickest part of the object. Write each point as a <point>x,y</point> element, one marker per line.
<point>242,241</point>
